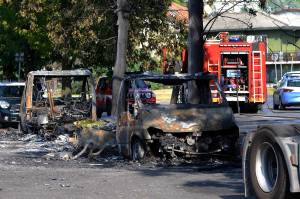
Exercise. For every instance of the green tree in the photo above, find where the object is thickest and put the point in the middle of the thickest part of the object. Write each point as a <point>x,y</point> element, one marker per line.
<point>17,35</point>
<point>150,31</point>
<point>83,33</point>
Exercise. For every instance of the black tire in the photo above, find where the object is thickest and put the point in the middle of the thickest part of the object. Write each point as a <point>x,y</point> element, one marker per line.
<point>266,159</point>
<point>253,108</point>
<point>137,149</point>
<point>275,106</point>
<point>99,113</point>
<point>108,107</point>
<point>281,106</point>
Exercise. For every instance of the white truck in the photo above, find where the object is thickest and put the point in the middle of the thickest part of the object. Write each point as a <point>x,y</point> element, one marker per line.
<point>271,162</point>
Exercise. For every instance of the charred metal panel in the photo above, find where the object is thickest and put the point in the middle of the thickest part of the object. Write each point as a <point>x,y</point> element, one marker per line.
<point>187,118</point>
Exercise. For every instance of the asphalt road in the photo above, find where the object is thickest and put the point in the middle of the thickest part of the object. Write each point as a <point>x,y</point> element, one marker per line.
<point>29,176</point>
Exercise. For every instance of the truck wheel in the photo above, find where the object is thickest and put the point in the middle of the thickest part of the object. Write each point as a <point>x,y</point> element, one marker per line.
<point>137,149</point>
<point>267,168</point>
<point>254,108</point>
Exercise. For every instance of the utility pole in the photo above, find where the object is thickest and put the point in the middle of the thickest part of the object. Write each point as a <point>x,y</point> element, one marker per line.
<point>19,57</point>
<point>198,93</point>
<point>120,65</point>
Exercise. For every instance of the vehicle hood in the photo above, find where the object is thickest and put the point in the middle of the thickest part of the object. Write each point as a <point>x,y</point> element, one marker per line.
<point>188,118</point>
<point>11,100</point>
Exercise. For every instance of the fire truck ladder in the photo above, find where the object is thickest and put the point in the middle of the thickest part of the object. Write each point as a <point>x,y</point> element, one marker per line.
<point>257,76</point>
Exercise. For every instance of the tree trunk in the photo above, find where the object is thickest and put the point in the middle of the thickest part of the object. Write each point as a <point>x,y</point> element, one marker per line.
<point>198,92</point>
<point>120,65</point>
<point>66,82</point>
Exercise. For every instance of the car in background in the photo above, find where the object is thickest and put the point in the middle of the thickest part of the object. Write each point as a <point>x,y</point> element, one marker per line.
<point>143,91</point>
<point>291,74</point>
<point>104,94</point>
<point>287,92</point>
<point>10,99</point>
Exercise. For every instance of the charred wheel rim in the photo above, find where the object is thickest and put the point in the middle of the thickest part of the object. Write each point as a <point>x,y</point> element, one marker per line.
<point>266,167</point>
<point>138,151</point>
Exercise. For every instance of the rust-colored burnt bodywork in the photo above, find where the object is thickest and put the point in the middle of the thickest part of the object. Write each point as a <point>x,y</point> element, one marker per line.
<point>40,112</point>
<point>94,139</point>
<point>191,129</point>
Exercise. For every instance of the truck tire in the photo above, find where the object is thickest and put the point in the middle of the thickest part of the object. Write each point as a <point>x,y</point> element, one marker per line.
<point>137,149</point>
<point>268,174</point>
<point>254,108</point>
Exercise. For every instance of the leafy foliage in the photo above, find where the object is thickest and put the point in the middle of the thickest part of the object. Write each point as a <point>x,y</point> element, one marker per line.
<point>151,31</point>
<point>83,34</point>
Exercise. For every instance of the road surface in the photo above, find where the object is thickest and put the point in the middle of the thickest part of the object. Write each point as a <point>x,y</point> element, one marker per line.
<point>28,175</point>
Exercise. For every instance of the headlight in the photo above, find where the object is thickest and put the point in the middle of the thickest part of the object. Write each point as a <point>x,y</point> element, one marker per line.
<point>4,104</point>
<point>148,95</point>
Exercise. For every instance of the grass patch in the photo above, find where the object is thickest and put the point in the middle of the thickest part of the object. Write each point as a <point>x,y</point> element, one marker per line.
<point>270,91</point>
<point>163,95</point>
<point>180,2</point>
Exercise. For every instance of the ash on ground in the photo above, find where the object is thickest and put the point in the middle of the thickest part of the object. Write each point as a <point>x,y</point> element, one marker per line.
<point>34,150</point>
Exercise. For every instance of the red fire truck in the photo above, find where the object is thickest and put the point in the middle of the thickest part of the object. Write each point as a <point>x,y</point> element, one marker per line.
<point>240,67</point>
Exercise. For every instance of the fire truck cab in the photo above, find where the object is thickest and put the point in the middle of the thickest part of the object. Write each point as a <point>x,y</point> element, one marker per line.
<point>240,67</point>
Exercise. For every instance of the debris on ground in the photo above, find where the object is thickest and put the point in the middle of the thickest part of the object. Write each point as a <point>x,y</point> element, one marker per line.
<point>92,137</point>
<point>101,150</point>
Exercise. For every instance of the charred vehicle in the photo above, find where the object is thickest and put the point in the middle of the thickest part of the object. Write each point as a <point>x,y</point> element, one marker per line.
<point>53,100</point>
<point>177,128</point>
<point>10,99</point>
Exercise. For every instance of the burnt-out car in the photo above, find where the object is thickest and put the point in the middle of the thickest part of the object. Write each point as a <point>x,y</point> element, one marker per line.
<point>10,99</point>
<point>176,128</point>
<point>53,100</point>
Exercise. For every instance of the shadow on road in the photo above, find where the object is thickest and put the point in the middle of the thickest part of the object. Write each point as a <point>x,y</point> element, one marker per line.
<point>231,186</point>
<point>222,180</point>
<point>227,184</point>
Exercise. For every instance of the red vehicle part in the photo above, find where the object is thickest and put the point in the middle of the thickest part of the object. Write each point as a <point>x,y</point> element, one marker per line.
<point>103,96</point>
<point>146,96</point>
